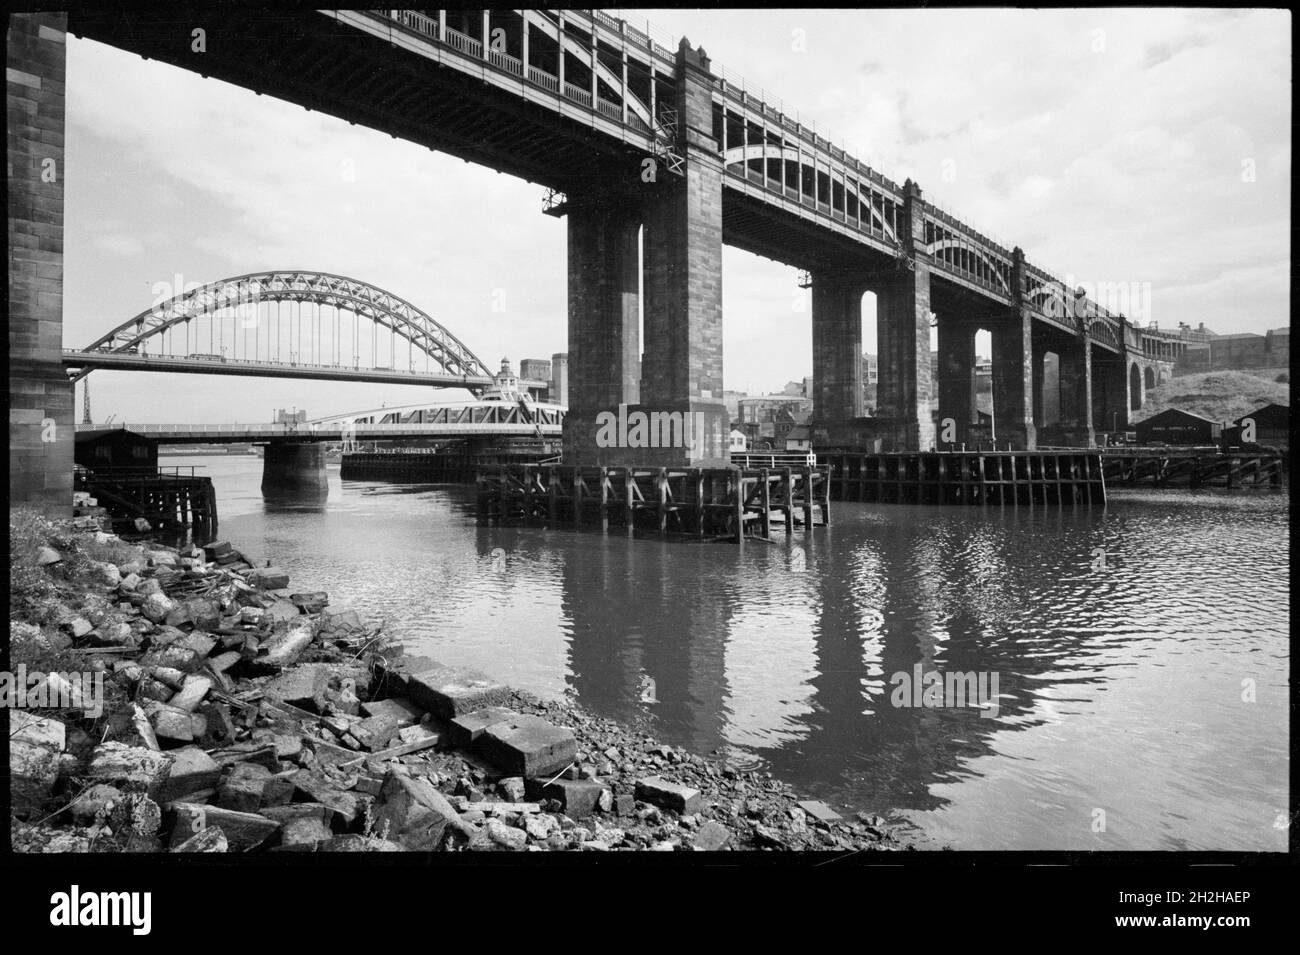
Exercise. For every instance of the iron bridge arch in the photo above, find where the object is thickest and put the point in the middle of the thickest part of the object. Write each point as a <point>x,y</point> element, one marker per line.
<point>317,288</point>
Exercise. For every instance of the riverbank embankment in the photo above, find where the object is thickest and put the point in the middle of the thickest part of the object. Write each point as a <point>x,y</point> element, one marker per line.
<point>183,700</point>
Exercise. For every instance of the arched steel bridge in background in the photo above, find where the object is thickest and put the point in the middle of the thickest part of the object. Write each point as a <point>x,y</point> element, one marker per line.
<point>288,324</point>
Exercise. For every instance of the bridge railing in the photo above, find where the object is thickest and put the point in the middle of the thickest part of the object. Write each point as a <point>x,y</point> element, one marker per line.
<point>278,430</point>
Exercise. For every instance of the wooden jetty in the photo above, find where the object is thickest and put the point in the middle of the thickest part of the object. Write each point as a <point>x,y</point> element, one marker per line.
<point>967,477</point>
<point>672,503</point>
<point>170,502</point>
<point>1199,469</point>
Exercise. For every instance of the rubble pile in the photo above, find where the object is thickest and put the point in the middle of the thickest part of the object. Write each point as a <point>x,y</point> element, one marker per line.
<point>246,716</point>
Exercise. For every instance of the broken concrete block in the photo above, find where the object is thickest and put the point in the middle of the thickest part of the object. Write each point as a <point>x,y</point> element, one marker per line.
<point>313,602</point>
<point>220,727</point>
<point>343,699</point>
<point>135,766</point>
<point>448,692</point>
<point>399,709</point>
<point>242,789</point>
<point>192,771</point>
<point>303,686</point>
<point>216,549</point>
<point>508,837</point>
<point>203,612</point>
<point>419,733</point>
<point>280,611</point>
<point>712,836</point>
<point>268,578</point>
<point>79,627</point>
<point>169,722</point>
<point>176,657</point>
<point>373,732</point>
<point>819,810</point>
<point>46,556</point>
<point>466,728</point>
<point>98,800</point>
<point>164,636</point>
<point>243,830</point>
<point>157,606</point>
<point>660,792</point>
<point>299,810</point>
<point>287,745</point>
<point>211,839</point>
<point>359,843</point>
<point>113,634</point>
<point>512,787</point>
<point>318,787</point>
<point>35,744</point>
<point>200,644</point>
<point>191,693</point>
<point>577,797</point>
<point>346,621</point>
<point>223,661</point>
<point>527,746</point>
<point>172,677</point>
<point>284,648</point>
<point>415,813</point>
<point>304,830</point>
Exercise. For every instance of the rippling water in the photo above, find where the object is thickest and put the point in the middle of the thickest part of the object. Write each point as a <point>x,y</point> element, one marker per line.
<point>1141,653</point>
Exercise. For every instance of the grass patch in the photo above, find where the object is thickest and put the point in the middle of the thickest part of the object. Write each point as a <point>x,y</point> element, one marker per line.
<point>1217,395</point>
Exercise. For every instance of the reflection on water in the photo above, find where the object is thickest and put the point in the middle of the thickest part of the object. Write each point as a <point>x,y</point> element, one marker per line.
<point>1141,653</point>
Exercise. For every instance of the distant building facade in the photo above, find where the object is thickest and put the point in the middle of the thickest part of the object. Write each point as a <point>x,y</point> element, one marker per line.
<point>559,390</point>
<point>1207,351</point>
<point>764,408</point>
<point>539,369</point>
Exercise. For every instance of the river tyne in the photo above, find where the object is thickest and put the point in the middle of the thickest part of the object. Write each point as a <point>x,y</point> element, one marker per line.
<point>1140,651</point>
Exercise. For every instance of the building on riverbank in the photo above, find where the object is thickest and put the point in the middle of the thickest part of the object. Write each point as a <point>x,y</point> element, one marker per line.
<point>1176,426</point>
<point>115,448</point>
<point>1272,426</point>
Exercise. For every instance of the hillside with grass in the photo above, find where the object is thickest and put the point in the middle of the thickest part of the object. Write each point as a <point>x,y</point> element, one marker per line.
<point>1217,395</point>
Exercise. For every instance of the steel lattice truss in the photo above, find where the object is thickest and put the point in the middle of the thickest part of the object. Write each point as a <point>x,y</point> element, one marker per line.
<point>317,288</point>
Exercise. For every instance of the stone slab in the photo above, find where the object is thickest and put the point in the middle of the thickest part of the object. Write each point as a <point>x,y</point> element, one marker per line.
<point>527,746</point>
<point>448,692</point>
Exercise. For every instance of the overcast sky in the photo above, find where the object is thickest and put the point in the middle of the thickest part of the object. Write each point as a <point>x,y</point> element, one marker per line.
<point>1149,147</point>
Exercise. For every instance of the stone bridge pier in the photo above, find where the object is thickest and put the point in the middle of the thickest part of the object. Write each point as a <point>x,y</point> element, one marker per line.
<point>294,472</point>
<point>41,422</point>
<point>677,382</point>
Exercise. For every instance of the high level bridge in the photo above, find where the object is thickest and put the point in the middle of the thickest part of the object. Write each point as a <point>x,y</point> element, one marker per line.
<point>630,133</point>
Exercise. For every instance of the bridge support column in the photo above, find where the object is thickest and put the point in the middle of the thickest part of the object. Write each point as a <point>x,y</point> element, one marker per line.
<point>837,359</point>
<point>604,323</point>
<point>1013,382</point>
<point>1038,399</point>
<point>295,472</point>
<point>42,426</point>
<point>682,370</point>
<point>1110,394</point>
<point>956,382</point>
<point>1076,391</point>
<point>903,330</point>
